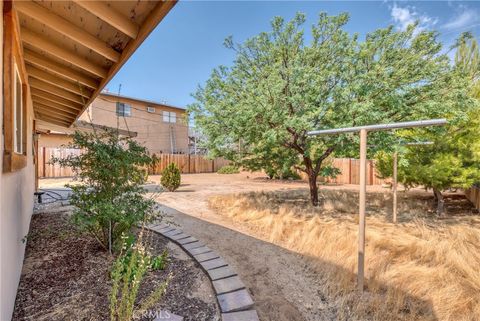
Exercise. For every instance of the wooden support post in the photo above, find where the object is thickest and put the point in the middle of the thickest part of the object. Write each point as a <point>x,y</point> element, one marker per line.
<point>362,205</point>
<point>394,186</point>
<point>44,161</point>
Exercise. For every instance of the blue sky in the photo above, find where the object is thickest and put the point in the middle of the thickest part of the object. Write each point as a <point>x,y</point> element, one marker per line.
<point>182,51</point>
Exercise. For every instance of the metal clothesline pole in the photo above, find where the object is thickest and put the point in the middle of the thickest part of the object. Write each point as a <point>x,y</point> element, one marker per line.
<point>363,171</point>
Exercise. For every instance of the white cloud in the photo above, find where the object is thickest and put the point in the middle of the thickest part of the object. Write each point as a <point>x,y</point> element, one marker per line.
<point>405,16</point>
<point>464,18</point>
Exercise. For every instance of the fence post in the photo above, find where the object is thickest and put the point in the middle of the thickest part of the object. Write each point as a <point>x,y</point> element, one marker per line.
<point>349,171</point>
<point>213,165</point>
<point>43,159</point>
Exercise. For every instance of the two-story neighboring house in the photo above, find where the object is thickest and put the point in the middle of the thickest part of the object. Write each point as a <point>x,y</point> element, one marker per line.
<point>160,127</point>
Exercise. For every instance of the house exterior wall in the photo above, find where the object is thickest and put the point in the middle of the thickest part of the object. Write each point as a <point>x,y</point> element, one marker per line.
<point>155,134</point>
<point>16,194</point>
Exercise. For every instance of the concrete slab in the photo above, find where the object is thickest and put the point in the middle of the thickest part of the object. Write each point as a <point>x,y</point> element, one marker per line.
<point>227,285</point>
<point>172,233</point>
<point>235,301</point>
<point>206,256</point>
<point>213,264</point>
<point>199,250</point>
<point>194,245</point>
<point>179,236</point>
<point>187,240</point>
<point>221,273</point>
<point>250,315</point>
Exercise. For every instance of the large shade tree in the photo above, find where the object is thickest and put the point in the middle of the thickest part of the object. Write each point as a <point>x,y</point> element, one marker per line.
<point>453,160</point>
<point>279,87</point>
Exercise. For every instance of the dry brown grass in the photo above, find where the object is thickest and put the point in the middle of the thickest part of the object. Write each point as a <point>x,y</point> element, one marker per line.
<point>421,269</point>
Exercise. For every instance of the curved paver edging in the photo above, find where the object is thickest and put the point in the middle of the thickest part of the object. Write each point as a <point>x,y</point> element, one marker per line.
<point>233,298</point>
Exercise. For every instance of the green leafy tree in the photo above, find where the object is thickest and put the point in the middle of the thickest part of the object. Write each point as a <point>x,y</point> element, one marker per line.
<point>109,200</point>
<point>279,88</point>
<point>453,158</point>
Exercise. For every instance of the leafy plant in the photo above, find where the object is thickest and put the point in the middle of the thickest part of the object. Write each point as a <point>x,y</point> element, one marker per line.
<point>128,271</point>
<point>228,169</point>
<point>159,262</point>
<point>330,171</point>
<point>110,199</point>
<point>258,111</point>
<point>171,177</point>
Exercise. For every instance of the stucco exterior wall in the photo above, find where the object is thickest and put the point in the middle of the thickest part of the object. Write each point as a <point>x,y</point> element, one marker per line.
<point>155,134</point>
<point>16,195</point>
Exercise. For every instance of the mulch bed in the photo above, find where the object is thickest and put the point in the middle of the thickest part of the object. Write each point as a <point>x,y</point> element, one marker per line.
<point>66,277</point>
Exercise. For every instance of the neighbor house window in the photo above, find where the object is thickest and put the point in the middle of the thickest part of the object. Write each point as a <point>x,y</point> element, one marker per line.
<point>19,129</point>
<point>124,110</point>
<point>169,117</point>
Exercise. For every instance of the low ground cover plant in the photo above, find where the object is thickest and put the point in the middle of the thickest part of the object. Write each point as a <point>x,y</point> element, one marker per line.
<point>171,177</point>
<point>228,169</point>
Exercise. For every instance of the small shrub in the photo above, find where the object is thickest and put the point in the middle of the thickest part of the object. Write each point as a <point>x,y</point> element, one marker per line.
<point>171,177</point>
<point>128,271</point>
<point>228,169</point>
<point>110,199</point>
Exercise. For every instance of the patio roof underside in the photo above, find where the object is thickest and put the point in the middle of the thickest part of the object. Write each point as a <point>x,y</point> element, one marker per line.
<point>71,49</point>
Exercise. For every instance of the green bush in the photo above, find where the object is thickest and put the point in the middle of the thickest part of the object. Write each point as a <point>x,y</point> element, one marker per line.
<point>110,199</point>
<point>171,177</point>
<point>228,169</point>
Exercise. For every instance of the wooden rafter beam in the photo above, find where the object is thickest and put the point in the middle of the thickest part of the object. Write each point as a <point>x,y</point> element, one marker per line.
<point>57,81</point>
<point>51,119</point>
<point>50,111</point>
<point>44,44</point>
<point>156,15</point>
<point>111,16</point>
<point>38,60</point>
<point>66,28</point>
<point>37,101</point>
<point>55,99</point>
<point>54,90</point>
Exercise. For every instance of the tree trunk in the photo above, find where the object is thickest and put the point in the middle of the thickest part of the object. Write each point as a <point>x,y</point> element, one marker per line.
<point>312,182</point>
<point>440,202</point>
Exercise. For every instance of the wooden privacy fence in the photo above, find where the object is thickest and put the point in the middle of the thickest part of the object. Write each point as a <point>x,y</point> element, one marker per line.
<point>47,170</point>
<point>192,164</point>
<point>188,164</point>
<point>473,194</point>
<point>350,172</point>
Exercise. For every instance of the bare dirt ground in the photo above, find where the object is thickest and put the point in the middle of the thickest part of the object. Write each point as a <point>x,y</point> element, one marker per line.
<point>283,283</point>
<point>65,276</point>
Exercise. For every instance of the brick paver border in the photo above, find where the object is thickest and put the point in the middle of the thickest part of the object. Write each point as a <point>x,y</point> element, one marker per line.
<point>233,299</point>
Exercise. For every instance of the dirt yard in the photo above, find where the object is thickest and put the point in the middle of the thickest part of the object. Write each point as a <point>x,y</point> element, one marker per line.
<point>284,283</point>
<point>66,274</point>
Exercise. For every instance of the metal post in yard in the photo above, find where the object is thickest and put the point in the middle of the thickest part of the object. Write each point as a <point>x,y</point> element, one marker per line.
<point>394,187</point>
<point>361,209</point>
<point>363,174</point>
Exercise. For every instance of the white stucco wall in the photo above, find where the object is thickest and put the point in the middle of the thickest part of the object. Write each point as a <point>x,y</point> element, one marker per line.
<point>16,196</point>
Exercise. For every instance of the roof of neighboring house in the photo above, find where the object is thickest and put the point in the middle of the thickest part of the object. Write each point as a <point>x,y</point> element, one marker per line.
<point>73,49</point>
<point>150,102</point>
<point>80,125</point>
